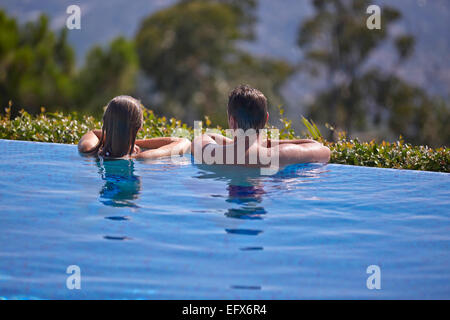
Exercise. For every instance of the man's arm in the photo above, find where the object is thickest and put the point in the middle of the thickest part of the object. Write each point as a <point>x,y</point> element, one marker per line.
<point>297,141</point>
<point>303,153</point>
<point>201,141</point>
<point>219,139</point>
<point>271,142</point>
<point>178,146</point>
<point>199,144</point>
<point>155,143</point>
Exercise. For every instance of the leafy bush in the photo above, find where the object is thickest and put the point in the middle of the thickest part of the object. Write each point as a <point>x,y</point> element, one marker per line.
<point>69,128</point>
<point>61,128</point>
<point>398,155</point>
<point>46,127</point>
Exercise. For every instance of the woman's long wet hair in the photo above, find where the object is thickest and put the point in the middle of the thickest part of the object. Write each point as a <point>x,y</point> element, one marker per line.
<point>121,122</point>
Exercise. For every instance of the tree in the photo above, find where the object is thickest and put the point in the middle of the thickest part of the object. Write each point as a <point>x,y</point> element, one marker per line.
<point>412,113</point>
<point>190,52</point>
<point>338,45</point>
<point>107,72</point>
<point>37,69</point>
<point>36,65</point>
<point>245,10</point>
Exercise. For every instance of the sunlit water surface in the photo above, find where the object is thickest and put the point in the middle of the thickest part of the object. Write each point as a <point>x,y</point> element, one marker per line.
<point>163,230</point>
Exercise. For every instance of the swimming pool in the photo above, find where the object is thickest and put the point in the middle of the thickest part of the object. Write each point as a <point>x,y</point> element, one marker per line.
<point>159,230</point>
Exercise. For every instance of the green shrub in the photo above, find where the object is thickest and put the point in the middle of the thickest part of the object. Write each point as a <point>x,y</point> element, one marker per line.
<point>46,127</point>
<point>68,128</point>
<point>398,155</point>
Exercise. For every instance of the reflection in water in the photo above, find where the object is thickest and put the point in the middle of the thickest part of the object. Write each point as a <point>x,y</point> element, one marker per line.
<point>292,178</point>
<point>120,190</point>
<point>121,186</point>
<point>252,249</point>
<point>118,218</point>
<point>248,232</point>
<point>116,238</point>
<point>245,191</point>
<point>246,287</point>
<point>248,198</point>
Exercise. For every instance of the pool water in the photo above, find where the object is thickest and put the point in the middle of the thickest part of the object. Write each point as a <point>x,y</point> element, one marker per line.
<point>164,230</point>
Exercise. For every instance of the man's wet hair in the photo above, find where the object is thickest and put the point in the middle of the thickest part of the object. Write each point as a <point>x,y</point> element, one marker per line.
<point>248,107</point>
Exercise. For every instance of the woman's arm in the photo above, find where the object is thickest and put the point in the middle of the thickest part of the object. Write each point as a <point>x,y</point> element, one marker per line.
<point>89,140</point>
<point>177,146</point>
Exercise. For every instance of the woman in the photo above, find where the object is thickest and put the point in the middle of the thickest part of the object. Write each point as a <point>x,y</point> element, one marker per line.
<point>117,139</point>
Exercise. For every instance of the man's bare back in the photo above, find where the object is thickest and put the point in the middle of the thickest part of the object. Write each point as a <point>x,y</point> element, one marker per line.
<point>247,116</point>
<point>254,151</point>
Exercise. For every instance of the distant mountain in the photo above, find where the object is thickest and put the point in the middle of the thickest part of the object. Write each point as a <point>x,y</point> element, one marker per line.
<point>428,21</point>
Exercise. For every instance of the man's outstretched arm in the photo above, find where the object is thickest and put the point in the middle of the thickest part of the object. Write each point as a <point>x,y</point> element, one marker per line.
<point>198,145</point>
<point>302,153</point>
<point>272,142</point>
<point>163,148</point>
<point>220,139</point>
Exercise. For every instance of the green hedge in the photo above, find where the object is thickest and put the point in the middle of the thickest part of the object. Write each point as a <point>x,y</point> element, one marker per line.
<point>61,128</point>
<point>398,155</point>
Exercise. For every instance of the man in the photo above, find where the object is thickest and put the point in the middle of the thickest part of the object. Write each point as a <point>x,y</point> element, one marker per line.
<point>247,112</point>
